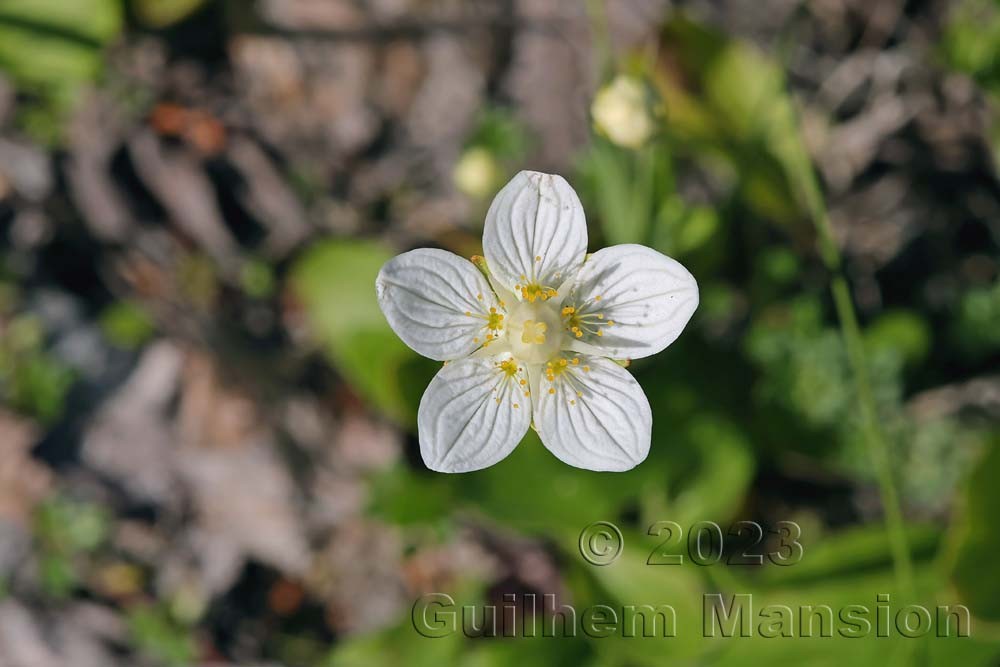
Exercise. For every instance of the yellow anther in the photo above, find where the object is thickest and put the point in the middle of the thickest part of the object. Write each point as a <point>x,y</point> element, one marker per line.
<point>516,405</point>
<point>572,402</point>
<point>509,366</point>
<point>611,323</point>
<point>586,369</point>
<point>597,298</point>
<point>538,258</point>
<point>535,291</point>
<point>552,391</point>
<point>523,382</point>
<point>480,296</point>
<point>600,333</point>
<point>468,312</point>
<point>563,362</point>
<point>600,316</point>
<point>576,361</point>
<point>568,310</point>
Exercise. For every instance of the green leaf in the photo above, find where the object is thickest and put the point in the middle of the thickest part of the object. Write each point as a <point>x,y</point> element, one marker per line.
<point>52,46</point>
<point>977,541</point>
<point>715,487</point>
<point>848,552</point>
<point>903,332</point>
<point>335,282</point>
<point>629,581</point>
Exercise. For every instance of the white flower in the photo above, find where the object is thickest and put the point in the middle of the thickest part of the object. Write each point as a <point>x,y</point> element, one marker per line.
<point>621,112</point>
<point>530,334</point>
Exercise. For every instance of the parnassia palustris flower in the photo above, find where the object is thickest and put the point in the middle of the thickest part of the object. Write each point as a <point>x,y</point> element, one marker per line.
<point>531,332</point>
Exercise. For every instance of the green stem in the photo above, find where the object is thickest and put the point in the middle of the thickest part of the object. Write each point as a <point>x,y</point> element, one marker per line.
<point>878,446</point>
<point>809,189</point>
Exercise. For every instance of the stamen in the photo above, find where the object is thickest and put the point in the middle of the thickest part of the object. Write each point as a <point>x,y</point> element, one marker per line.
<point>579,322</point>
<point>508,366</point>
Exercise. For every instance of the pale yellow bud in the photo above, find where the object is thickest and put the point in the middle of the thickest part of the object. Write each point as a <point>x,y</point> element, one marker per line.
<point>621,112</point>
<point>477,173</point>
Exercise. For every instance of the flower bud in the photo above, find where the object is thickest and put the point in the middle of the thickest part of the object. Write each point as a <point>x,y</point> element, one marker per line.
<point>621,112</point>
<point>477,173</point>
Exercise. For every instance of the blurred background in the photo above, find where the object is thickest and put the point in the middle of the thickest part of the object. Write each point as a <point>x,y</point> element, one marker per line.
<point>207,450</point>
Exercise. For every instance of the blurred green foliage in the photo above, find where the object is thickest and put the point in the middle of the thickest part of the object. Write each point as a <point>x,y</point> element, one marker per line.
<point>161,637</point>
<point>971,44</point>
<point>31,380</point>
<point>976,540</point>
<point>976,325</point>
<point>126,325</point>
<point>66,532</point>
<point>51,48</point>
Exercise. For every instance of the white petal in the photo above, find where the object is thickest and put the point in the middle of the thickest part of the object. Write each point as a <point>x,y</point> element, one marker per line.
<point>436,302</point>
<point>535,232</point>
<point>594,415</point>
<point>638,299</point>
<point>472,415</point>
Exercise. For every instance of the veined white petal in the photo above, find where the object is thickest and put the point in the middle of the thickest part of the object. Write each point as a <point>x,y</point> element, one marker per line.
<point>473,414</point>
<point>535,235</point>
<point>438,303</point>
<point>592,414</point>
<point>630,302</point>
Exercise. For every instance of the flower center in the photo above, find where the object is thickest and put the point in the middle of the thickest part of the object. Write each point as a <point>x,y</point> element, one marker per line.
<point>534,331</point>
